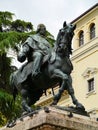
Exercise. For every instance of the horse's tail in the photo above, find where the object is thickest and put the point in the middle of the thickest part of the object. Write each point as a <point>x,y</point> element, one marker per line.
<point>13,87</point>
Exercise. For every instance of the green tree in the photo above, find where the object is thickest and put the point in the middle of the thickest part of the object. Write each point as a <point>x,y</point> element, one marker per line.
<point>9,37</point>
<point>9,109</point>
<point>5,20</point>
<point>21,26</point>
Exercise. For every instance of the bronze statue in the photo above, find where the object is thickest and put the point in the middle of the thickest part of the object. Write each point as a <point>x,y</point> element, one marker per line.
<point>37,49</point>
<point>56,69</point>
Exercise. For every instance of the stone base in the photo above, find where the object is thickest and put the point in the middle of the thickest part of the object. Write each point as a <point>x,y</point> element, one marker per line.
<point>52,118</point>
<point>72,109</point>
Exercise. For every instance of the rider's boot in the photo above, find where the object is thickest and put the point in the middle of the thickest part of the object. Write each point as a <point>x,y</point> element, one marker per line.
<point>36,66</point>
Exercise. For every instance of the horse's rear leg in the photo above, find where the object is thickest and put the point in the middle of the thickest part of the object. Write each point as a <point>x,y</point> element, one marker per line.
<point>24,94</point>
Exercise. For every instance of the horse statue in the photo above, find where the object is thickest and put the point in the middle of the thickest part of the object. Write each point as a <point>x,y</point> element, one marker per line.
<point>56,71</point>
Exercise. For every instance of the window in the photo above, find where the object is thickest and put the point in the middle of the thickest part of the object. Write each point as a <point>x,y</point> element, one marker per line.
<point>92,31</point>
<point>81,38</point>
<point>90,85</point>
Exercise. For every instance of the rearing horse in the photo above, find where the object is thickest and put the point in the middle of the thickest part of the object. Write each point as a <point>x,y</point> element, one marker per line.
<point>57,70</point>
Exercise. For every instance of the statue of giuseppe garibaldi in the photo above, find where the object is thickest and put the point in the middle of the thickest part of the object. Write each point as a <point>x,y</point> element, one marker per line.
<point>37,50</point>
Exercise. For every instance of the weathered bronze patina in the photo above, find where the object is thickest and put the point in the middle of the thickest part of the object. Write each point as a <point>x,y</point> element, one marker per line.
<point>45,67</point>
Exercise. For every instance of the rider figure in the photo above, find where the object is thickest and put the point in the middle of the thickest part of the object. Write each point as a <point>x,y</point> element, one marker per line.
<point>36,48</point>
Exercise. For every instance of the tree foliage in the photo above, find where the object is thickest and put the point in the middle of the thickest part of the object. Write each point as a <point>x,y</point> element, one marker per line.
<point>8,108</point>
<point>5,20</point>
<point>5,71</point>
<point>21,26</point>
<point>9,37</point>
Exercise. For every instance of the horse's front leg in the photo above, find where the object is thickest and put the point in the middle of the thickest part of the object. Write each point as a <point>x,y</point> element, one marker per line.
<point>24,94</point>
<point>72,94</point>
<point>64,77</point>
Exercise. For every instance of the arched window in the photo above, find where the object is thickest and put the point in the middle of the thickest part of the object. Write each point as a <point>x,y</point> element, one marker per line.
<point>81,38</point>
<point>92,31</point>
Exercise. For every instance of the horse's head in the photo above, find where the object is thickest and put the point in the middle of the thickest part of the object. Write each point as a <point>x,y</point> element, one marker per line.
<point>68,31</point>
<point>64,38</point>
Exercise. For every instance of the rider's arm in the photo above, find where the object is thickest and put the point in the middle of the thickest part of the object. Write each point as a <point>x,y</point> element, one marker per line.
<point>24,51</point>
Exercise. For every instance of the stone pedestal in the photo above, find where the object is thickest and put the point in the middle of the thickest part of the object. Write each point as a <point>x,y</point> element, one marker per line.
<point>55,119</point>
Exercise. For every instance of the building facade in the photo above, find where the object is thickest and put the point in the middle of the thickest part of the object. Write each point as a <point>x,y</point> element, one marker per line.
<point>85,62</point>
<point>84,59</point>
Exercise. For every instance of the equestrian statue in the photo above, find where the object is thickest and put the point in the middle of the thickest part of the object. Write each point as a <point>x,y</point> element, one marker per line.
<point>45,67</point>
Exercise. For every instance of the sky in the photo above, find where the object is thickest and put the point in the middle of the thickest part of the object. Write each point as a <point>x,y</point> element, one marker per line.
<point>52,13</point>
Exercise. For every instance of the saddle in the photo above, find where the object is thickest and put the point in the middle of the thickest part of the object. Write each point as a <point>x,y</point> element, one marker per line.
<point>50,59</point>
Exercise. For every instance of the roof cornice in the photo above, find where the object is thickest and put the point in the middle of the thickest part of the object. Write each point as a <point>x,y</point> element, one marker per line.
<point>96,5</point>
